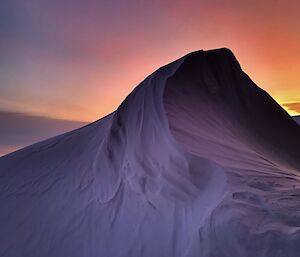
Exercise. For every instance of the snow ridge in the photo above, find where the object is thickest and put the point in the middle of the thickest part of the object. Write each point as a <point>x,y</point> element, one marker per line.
<point>194,162</point>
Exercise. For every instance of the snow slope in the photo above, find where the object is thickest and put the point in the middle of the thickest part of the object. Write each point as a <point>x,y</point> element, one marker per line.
<point>197,161</point>
<point>297,119</point>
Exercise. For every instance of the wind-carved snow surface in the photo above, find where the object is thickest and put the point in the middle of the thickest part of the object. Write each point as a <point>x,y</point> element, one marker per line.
<point>196,162</point>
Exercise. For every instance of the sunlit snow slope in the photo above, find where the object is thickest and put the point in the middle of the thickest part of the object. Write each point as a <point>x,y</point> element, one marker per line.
<point>196,162</point>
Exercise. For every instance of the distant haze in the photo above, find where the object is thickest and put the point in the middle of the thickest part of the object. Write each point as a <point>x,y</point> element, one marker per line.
<point>18,130</point>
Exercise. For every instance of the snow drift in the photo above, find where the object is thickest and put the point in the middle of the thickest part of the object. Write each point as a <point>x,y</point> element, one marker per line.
<point>197,161</point>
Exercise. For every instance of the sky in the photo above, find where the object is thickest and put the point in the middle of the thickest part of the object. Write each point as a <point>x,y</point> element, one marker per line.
<point>76,60</point>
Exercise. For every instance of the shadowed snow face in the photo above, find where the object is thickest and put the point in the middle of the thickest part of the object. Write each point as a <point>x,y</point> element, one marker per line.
<point>215,109</point>
<point>217,113</point>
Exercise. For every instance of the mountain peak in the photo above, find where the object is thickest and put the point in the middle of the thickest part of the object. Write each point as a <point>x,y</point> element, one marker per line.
<point>183,167</point>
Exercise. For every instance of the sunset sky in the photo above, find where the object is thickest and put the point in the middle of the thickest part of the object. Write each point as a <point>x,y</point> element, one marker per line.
<point>78,59</point>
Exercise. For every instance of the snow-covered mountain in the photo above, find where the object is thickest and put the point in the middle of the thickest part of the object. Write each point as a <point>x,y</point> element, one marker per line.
<point>197,161</point>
